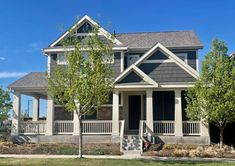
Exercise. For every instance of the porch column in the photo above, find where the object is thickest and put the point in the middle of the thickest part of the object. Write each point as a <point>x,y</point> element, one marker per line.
<point>35,109</point>
<point>149,109</point>
<point>50,116</point>
<point>75,123</point>
<point>16,114</point>
<point>115,114</point>
<point>204,129</point>
<point>178,114</point>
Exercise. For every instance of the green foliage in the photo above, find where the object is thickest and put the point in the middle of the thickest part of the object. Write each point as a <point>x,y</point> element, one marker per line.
<point>213,96</point>
<point>85,80</point>
<point>5,104</point>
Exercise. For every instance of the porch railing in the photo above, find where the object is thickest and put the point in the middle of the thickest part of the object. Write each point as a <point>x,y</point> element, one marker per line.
<point>97,126</point>
<point>164,127</point>
<point>191,127</point>
<point>63,127</point>
<point>32,127</point>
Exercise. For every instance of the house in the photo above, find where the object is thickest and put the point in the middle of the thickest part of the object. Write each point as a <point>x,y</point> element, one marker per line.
<point>152,72</point>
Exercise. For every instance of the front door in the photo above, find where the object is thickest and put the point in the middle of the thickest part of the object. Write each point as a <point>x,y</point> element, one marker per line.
<point>134,111</point>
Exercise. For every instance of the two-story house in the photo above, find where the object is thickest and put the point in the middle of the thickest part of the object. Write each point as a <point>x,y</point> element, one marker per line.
<point>152,72</point>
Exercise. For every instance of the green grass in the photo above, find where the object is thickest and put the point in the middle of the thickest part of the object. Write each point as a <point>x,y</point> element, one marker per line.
<point>104,162</point>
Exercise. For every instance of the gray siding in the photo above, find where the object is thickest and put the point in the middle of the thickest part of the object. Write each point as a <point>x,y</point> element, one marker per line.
<point>166,72</point>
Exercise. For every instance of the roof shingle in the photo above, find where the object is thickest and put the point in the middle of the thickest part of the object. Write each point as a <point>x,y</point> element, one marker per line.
<point>174,39</point>
<point>35,80</point>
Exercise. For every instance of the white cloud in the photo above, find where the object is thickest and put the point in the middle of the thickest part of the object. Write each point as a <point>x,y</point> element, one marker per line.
<point>11,74</point>
<point>2,58</point>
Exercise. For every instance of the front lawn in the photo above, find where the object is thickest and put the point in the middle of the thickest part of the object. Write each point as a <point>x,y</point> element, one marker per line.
<point>104,162</point>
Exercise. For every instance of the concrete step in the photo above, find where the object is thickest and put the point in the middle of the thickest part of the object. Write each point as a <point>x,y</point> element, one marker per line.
<point>131,143</point>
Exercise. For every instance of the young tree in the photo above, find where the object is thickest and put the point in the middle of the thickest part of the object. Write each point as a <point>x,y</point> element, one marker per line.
<point>212,99</point>
<point>5,104</point>
<point>86,82</point>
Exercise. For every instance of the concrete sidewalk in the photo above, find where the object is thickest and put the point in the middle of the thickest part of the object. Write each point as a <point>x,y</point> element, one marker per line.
<point>125,157</point>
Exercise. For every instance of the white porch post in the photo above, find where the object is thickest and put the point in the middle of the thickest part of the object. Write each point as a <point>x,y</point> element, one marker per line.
<point>76,123</point>
<point>178,114</point>
<point>115,114</point>
<point>35,109</point>
<point>50,116</point>
<point>149,109</point>
<point>16,114</point>
<point>204,129</point>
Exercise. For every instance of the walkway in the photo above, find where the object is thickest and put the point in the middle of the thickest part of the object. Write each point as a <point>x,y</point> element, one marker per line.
<point>128,156</point>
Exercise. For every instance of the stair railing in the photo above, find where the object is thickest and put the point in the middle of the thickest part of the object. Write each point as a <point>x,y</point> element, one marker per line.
<point>122,123</point>
<point>141,134</point>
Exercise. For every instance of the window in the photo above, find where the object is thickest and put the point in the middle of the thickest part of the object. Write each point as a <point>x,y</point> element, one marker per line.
<point>111,60</point>
<point>183,56</point>
<point>61,59</point>
<point>85,55</point>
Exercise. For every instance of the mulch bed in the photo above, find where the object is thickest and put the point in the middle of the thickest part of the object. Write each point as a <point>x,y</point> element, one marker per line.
<point>63,149</point>
<point>190,151</point>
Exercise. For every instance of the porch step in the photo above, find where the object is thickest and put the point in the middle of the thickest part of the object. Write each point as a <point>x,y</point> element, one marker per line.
<point>131,144</point>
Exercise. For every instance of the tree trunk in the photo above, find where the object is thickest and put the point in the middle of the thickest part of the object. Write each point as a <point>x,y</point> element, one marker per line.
<point>80,137</point>
<point>221,130</point>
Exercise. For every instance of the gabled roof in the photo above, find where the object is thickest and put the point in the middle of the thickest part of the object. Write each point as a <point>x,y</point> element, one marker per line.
<point>174,39</point>
<point>168,53</point>
<point>34,80</point>
<point>92,22</point>
<point>139,72</point>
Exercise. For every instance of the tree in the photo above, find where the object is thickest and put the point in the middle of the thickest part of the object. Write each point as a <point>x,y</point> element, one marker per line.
<point>86,82</point>
<point>212,99</point>
<point>5,104</point>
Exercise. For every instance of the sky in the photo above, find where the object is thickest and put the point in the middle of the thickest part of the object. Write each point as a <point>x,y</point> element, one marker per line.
<point>28,26</point>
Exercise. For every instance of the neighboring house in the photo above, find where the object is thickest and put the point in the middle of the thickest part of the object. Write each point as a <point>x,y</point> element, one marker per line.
<point>152,70</point>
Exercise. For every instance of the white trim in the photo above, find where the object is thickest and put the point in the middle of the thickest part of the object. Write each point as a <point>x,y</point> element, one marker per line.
<point>158,61</point>
<point>176,86</point>
<point>185,55</point>
<point>197,61</point>
<point>138,72</point>
<point>145,76</point>
<point>122,61</point>
<point>171,56</point>
<point>133,86</point>
<point>49,65</point>
<point>154,87</point>
<point>87,18</point>
<point>49,50</point>
<point>61,63</point>
<point>168,53</point>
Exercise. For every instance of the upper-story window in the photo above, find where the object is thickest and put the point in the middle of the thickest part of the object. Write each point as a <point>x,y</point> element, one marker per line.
<point>61,59</point>
<point>183,56</point>
<point>131,59</point>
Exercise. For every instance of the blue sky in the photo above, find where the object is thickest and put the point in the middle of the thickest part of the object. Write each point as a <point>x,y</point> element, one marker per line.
<point>28,26</point>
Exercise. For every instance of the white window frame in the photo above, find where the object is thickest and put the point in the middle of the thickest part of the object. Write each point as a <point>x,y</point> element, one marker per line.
<point>132,55</point>
<point>185,55</point>
<point>58,59</point>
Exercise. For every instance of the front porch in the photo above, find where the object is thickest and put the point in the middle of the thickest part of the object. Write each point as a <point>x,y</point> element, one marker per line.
<point>132,111</point>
